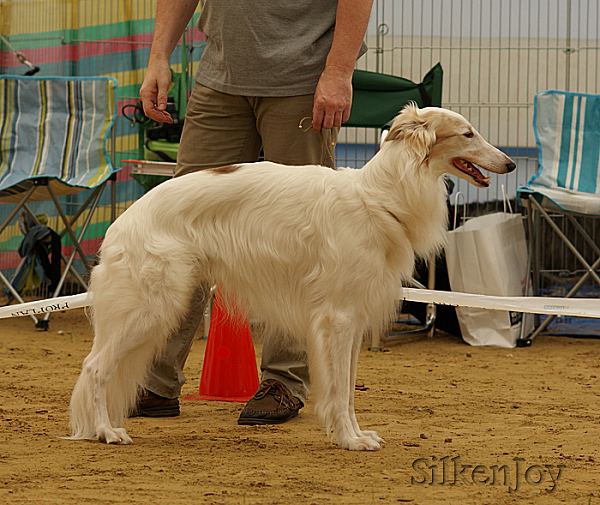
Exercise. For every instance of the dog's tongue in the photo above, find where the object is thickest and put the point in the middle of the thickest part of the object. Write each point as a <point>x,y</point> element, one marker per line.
<point>470,169</point>
<point>479,177</point>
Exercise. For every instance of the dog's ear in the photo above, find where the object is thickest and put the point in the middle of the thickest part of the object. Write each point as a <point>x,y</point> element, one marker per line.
<point>412,124</point>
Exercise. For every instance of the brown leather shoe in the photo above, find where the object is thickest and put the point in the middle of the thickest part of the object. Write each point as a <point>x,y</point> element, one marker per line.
<point>152,405</point>
<point>273,403</point>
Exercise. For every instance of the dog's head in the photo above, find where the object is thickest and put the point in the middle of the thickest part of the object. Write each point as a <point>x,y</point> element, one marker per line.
<point>447,143</point>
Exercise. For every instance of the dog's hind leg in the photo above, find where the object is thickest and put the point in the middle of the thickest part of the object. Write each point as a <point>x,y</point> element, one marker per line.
<point>100,373</point>
<point>91,417</point>
<point>331,350</point>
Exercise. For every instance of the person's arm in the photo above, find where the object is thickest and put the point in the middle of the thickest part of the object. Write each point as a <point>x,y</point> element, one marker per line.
<point>333,97</point>
<point>172,16</point>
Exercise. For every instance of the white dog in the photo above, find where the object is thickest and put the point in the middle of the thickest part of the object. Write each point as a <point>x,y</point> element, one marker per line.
<point>319,254</point>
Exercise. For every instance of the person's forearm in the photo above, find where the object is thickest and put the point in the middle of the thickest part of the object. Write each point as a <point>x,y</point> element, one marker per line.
<point>172,16</point>
<point>333,96</point>
<point>352,18</point>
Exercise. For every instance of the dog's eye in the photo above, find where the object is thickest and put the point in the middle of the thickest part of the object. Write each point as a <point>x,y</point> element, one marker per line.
<point>469,134</point>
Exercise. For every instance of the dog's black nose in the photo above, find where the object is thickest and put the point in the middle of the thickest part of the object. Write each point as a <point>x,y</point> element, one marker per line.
<point>511,166</point>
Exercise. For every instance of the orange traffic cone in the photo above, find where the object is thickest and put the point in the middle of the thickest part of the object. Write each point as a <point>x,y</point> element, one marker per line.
<point>229,372</point>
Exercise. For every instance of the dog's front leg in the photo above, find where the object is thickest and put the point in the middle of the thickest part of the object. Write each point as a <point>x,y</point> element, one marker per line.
<point>331,349</point>
<point>352,392</point>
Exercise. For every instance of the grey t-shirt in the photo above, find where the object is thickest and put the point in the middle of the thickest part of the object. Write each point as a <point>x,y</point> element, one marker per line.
<point>265,47</point>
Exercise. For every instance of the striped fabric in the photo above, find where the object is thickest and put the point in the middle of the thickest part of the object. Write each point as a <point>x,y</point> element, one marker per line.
<point>55,128</point>
<point>567,131</point>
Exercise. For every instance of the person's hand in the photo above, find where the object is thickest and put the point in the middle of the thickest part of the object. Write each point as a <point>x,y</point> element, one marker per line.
<point>333,99</point>
<point>154,92</point>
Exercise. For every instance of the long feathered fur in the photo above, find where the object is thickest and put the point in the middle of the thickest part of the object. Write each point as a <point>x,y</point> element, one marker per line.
<point>318,254</point>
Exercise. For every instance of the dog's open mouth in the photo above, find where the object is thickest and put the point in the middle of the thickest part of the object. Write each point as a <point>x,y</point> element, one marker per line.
<point>471,170</point>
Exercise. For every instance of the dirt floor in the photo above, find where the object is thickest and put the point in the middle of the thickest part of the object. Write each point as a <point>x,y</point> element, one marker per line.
<point>463,425</point>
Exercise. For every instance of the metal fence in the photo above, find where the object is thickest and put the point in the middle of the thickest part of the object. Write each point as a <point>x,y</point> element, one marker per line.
<point>496,55</point>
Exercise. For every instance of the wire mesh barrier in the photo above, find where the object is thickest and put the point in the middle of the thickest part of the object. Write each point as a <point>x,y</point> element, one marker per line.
<point>496,55</point>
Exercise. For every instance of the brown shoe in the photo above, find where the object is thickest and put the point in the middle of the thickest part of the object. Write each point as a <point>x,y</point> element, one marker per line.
<point>152,405</point>
<point>273,403</point>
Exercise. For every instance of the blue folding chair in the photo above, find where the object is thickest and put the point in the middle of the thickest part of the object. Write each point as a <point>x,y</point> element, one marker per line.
<point>53,141</point>
<point>567,184</point>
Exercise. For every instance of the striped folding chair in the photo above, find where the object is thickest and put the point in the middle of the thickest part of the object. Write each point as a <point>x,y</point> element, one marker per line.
<point>567,184</point>
<point>53,142</point>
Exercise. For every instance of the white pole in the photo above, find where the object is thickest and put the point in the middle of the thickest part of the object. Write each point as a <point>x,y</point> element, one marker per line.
<point>580,307</point>
<point>45,306</point>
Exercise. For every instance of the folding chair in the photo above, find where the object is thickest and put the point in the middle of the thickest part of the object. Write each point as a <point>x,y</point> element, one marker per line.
<point>567,184</point>
<point>378,98</point>
<point>376,101</point>
<point>53,142</point>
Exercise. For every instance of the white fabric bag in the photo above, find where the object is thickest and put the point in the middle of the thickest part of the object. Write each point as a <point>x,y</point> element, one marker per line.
<point>488,256</point>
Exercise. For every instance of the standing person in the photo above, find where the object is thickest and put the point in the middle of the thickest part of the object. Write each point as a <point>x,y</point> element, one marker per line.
<point>268,67</point>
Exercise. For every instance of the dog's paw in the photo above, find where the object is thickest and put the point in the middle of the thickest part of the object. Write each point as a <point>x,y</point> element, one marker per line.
<point>361,444</point>
<point>114,436</point>
<point>374,436</point>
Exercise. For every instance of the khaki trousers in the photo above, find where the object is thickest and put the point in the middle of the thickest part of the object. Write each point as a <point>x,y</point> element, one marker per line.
<point>220,130</point>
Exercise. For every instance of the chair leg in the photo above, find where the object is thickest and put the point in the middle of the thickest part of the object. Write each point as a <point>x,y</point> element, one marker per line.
<point>532,279</point>
<point>69,262</point>
<point>431,310</point>
<point>83,207</point>
<point>17,208</point>
<point>20,205</point>
<point>430,315</point>
<point>590,269</point>
<point>568,243</point>
<point>68,227</point>
<point>584,234</point>
<point>570,294</point>
<point>16,295</point>
<point>375,342</point>
<point>90,204</point>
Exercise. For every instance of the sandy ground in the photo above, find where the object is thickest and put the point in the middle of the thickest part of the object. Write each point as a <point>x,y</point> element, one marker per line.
<point>463,425</point>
